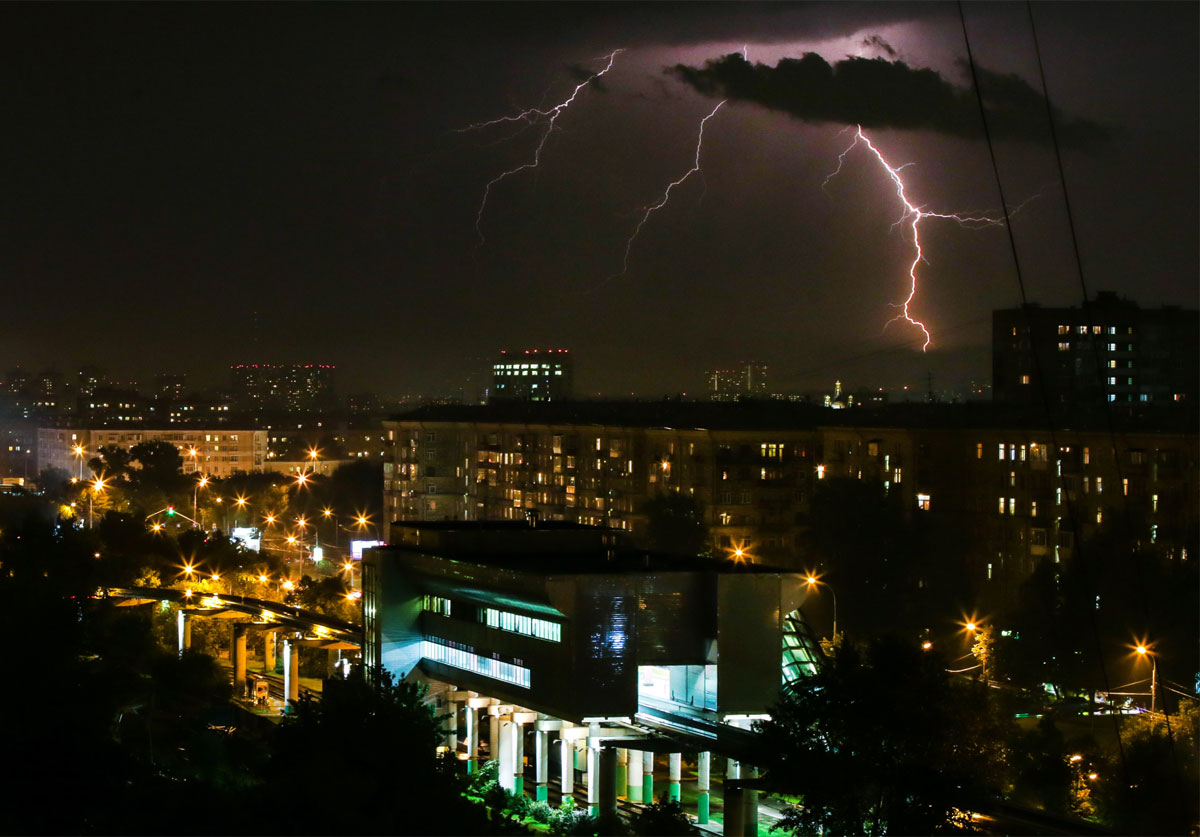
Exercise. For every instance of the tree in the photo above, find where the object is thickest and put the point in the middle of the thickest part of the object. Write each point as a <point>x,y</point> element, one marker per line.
<point>384,736</point>
<point>664,817</point>
<point>882,742</point>
<point>676,525</point>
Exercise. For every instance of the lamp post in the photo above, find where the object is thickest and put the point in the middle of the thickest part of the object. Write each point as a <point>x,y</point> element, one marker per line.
<point>1144,651</point>
<point>97,487</point>
<point>813,581</point>
<point>79,451</point>
<point>200,483</point>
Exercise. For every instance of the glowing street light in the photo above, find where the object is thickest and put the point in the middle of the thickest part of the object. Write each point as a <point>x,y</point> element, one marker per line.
<point>289,585</point>
<point>301,479</point>
<point>98,486</point>
<point>814,581</point>
<point>263,579</point>
<point>1143,650</point>
<point>270,519</point>
<point>79,451</point>
<point>200,483</point>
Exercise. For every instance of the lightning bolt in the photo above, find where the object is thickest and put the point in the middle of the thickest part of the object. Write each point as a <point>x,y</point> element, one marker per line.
<point>531,116</point>
<point>913,215</point>
<point>650,210</point>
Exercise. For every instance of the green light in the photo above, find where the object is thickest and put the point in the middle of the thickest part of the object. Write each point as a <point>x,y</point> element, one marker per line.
<point>170,511</point>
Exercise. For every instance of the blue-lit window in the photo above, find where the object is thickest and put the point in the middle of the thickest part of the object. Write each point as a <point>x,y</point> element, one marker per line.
<point>436,604</point>
<point>455,655</point>
<point>520,624</point>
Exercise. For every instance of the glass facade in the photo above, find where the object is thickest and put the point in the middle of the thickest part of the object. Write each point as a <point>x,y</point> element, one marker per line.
<point>801,654</point>
<point>456,655</point>
<point>518,624</point>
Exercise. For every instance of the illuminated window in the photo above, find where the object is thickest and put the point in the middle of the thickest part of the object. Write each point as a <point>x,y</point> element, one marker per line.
<point>436,604</point>
<point>1001,504</point>
<point>1153,502</point>
<point>1033,509</point>
<point>1099,515</point>
<point>979,450</point>
<point>1082,329</point>
<point>820,472</point>
<point>1025,379</point>
<point>1064,347</point>
<point>923,502</point>
<point>1099,485</point>
<point>1012,505</point>
<point>1064,329</point>
<point>456,655</point>
<point>517,623</point>
<point>1000,450</point>
<point>897,476</point>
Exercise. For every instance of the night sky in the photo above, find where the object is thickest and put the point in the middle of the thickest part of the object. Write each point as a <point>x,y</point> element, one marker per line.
<point>190,186</point>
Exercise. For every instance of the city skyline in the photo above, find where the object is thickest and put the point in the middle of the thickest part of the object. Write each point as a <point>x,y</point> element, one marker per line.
<point>248,190</point>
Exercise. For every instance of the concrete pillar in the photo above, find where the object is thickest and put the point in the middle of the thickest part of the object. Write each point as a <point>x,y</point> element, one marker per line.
<point>635,776</point>
<point>472,716</point>
<point>593,780</point>
<point>622,771</point>
<point>451,725</point>
<point>733,770</point>
<point>291,671</point>
<point>606,783</point>
<point>239,659</point>
<point>518,758</point>
<point>648,777</point>
<point>568,768</point>
<point>506,753</point>
<point>493,736</point>
<point>733,825</point>
<point>674,775</point>
<point>184,626</point>
<point>580,756</point>
<point>703,786</point>
<point>750,804</point>
<point>269,639</point>
<point>541,764</point>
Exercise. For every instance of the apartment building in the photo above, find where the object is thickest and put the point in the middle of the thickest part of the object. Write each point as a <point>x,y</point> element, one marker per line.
<point>216,452</point>
<point>1017,493</point>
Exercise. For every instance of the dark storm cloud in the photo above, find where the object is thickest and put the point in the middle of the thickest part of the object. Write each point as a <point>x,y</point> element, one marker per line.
<point>877,93</point>
<point>880,44</point>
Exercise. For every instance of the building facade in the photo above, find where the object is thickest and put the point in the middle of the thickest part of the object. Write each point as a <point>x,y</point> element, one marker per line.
<point>291,387</point>
<point>219,453</point>
<point>746,380</point>
<point>1111,352</point>
<point>1020,493</point>
<point>533,375</point>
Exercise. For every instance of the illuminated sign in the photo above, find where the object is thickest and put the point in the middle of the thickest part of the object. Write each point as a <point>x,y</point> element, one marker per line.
<point>357,547</point>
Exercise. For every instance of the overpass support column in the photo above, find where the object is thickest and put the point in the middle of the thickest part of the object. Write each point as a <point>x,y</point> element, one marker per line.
<point>238,654</point>
<point>184,624</point>
<point>518,755</point>
<point>493,735</point>
<point>451,725</point>
<point>291,671</point>
<point>269,639</point>
<point>593,780</point>
<point>622,772</point>
<point>506,753</point>
<point>635,776</point>
<point>648,777</point>
<point>703,785</point>
<point>568,767</point>
<point>750,804</point>
<point>734,825</point>
<point>674,775</point>
<point>472,715</point>
<point>733,770</point>
<point>607,782</point>
<point>541,764</point>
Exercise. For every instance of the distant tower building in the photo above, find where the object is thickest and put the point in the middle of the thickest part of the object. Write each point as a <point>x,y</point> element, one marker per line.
<point>839,400</point>
<point>747,379</point>
<point>294,387</point>
<point>533,375</point>
<point>87,380</point>
<point>1110,352</point>
<point>169,386</point>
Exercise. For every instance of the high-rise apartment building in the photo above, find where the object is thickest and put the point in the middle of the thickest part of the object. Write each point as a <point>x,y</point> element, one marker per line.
<point>292,387</point>
<point>1111,352</point>
<point>747,379</point>
<point>533,375</point>
<point>1022,492</point>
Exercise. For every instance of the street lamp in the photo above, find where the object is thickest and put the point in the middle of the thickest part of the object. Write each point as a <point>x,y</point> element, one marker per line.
<point>200,483</point>
<point>240,502</point>
<point>814,581</point>
<point>193,453</point>
<point>97,487</point>
<point>1143,650</point>
<point>79,451</point>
